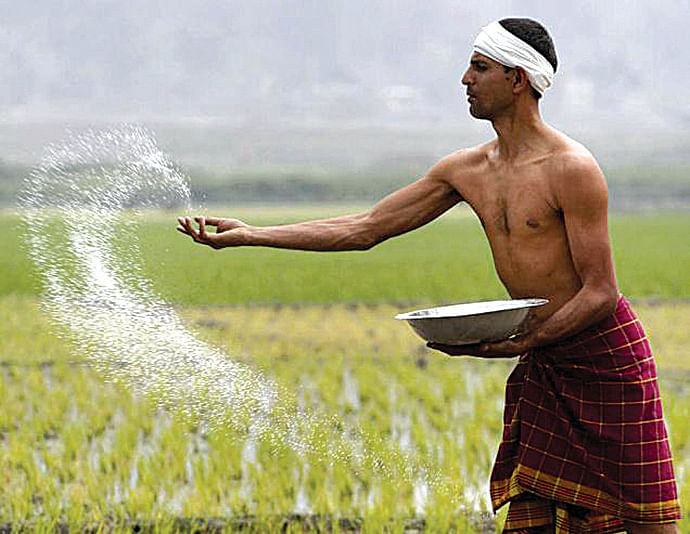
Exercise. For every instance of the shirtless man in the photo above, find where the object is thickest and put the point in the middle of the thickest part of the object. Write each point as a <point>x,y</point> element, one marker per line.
<point>540,196</point>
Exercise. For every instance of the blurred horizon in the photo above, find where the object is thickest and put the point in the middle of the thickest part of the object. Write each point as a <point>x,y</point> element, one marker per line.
<point>243,91</point>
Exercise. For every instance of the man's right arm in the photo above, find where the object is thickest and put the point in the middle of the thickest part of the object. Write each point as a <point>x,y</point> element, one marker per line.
<point>399,212</point>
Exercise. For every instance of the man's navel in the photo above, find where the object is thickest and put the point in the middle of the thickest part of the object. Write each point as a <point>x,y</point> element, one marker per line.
<point>532,223</point>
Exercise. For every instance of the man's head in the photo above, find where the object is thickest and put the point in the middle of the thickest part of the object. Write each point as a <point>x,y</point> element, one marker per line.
<point>512,58</point>
<point>534,34</point>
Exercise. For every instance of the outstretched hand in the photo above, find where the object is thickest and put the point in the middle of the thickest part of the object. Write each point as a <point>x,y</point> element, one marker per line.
<point>229,232</point>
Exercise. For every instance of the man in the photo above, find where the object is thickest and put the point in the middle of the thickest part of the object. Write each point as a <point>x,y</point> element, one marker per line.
<point>584,446</point>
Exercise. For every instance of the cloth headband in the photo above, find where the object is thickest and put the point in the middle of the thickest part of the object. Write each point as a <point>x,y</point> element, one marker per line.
<point>497,43</point>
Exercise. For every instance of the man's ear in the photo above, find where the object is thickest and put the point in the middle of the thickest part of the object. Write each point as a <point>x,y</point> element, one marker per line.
<point>520,82</point>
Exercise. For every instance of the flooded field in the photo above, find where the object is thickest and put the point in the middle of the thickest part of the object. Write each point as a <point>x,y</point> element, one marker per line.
<point>79,447</point>
<point>76,449</point>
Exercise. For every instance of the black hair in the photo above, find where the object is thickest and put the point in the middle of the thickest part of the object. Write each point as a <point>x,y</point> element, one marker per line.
<point>535,35</point>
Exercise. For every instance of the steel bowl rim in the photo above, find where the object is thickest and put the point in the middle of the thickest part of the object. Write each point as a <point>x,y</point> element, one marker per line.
<point>520,304</point>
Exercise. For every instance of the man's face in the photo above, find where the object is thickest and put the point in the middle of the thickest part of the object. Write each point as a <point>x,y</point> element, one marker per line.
<point>488,87</point>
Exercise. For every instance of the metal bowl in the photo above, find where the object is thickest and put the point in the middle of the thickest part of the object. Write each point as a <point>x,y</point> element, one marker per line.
<point>472,322</point>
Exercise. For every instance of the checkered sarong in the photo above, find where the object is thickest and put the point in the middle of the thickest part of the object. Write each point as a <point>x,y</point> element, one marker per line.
<point>584,441</point>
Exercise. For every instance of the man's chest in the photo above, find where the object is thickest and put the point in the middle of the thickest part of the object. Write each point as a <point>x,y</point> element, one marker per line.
<point>519,204</point>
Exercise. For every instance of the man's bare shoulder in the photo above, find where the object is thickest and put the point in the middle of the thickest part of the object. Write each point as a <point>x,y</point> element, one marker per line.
<point>574,172</point>
<point>570,155</point>
<point>461,162</point>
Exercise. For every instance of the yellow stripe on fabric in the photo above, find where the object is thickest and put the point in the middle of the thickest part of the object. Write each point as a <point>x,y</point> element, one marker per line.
<point>554,488</point>
<point>636,363</point>
<point>604,332</point>
<point>547,485</point>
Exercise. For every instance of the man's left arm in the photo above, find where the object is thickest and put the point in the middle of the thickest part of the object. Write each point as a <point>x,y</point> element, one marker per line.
<point>582,196</point>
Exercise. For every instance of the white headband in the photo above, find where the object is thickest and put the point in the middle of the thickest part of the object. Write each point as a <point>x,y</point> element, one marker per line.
<point>497,43</point>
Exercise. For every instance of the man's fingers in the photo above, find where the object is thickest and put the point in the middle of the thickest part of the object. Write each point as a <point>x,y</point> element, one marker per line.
<point>451,350</point>
<point>190,228</point>
<point>205,237</point>
<point>213,221</point>
<point>186,226</point>
<point>181,226</point>
<point>473,349</point>
<point>201,221</point>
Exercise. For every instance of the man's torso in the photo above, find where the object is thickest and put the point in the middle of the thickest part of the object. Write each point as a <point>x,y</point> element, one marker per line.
<point>518,206</point>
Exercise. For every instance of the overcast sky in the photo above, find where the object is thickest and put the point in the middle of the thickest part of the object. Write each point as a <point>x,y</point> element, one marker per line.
<point>375,60</point>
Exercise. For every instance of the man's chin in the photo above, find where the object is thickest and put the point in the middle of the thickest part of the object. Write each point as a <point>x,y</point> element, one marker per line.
<point>478,113</point>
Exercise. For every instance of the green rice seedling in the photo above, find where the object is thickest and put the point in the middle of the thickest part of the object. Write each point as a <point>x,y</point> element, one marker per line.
<point>444,412</point>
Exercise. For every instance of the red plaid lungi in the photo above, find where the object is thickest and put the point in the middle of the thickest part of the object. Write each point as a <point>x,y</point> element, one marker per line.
<point>584,441</point>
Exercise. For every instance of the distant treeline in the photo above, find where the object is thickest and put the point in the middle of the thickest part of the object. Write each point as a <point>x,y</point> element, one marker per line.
<point>636,188</point>
<point>297,187</point>
<point>632,188</point>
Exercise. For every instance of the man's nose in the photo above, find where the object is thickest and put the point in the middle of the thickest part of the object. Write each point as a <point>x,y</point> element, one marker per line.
<point>465,80</point>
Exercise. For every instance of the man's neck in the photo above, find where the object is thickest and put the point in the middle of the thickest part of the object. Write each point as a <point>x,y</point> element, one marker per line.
<point>521,132</point>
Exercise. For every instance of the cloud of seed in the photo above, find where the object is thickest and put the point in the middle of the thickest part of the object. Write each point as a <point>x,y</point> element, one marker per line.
<point>78,203</point>
<point>82,205</point>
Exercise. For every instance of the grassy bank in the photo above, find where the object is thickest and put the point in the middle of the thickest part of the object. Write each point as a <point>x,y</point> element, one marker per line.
<point>446,261</point>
